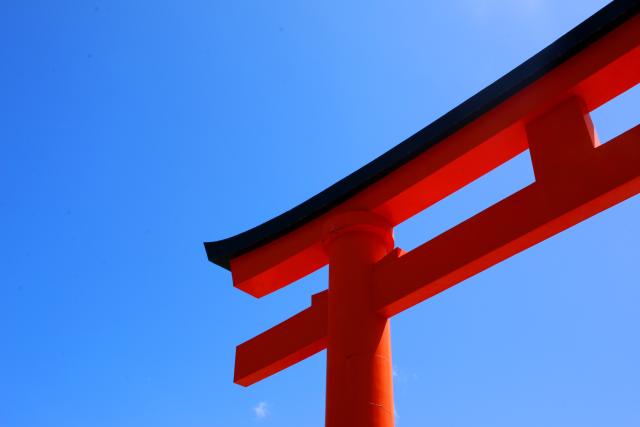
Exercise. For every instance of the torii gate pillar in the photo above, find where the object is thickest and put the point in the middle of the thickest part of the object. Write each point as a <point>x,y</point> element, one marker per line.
<point>359,373</point>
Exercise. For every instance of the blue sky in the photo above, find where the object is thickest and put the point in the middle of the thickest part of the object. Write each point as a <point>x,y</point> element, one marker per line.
<point>131,132</point>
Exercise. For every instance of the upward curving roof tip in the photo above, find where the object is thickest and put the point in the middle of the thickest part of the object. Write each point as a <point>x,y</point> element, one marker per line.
<point>221,252</point>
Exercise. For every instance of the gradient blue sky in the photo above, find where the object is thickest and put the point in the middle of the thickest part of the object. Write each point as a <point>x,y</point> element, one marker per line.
<point>132,131</point>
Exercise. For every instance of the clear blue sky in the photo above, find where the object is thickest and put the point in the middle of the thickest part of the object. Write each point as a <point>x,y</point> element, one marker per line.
<point>132,131</point>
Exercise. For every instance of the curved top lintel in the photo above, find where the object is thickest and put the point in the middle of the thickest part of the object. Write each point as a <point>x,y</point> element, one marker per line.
<point>579,38</point>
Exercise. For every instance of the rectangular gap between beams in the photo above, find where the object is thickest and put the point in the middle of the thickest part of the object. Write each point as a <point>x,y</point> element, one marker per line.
<point>485,191</point>
<point>618,115</point>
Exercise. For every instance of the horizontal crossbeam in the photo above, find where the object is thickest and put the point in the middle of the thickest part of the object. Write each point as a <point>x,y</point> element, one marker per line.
<point>285,344</point>
<point>518,222</point>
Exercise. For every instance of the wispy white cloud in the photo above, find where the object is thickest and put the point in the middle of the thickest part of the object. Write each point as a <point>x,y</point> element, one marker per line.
<point>261,410</point>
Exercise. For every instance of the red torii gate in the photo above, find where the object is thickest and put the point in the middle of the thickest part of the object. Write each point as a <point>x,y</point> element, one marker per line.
<point>543,105</point>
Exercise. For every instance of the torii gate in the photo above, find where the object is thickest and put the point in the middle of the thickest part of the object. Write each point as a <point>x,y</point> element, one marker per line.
<point>543,105</point>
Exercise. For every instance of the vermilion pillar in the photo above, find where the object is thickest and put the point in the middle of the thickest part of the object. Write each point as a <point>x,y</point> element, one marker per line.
<point>359,375</point>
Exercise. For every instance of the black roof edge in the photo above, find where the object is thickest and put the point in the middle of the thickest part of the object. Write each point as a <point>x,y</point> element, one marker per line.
<point>595,27</point>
